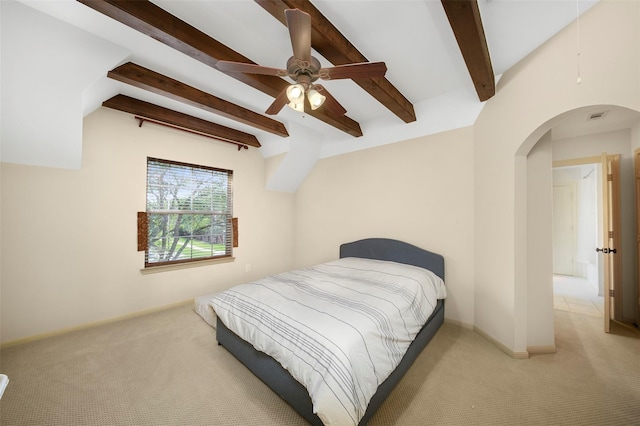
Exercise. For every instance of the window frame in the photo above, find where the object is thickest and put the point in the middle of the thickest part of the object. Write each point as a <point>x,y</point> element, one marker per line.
<point>145,240</point>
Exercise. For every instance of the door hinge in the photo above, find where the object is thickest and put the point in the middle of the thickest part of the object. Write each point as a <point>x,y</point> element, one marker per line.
<point>610,234</point>
<point>612,293</point>
<point>610,177</point>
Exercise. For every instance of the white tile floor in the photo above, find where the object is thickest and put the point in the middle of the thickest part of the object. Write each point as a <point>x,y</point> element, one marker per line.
<point>576,295</point>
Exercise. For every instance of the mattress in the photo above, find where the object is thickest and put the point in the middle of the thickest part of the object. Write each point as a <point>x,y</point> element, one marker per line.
<point>202,305</point>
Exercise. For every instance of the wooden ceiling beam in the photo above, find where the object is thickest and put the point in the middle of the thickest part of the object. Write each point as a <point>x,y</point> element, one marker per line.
<point>152,81</point>
<point>327,40</point>
<point>466,23</point>
<point>159,24</point>
<point>180,120</point>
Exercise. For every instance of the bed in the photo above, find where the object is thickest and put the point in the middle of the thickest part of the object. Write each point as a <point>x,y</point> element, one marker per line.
<point>356,398</point>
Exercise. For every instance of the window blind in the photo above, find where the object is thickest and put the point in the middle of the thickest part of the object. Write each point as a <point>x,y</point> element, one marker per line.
<point>189,212</point>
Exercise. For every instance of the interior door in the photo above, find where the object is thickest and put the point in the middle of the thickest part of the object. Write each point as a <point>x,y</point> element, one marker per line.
<point>637,208</point>
<point>610,238</point>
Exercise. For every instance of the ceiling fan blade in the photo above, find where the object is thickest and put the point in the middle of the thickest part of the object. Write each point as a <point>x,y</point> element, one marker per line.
<point>299,24</point>
<point>277,105</point>
<point>360,70</point>
<point>330,103</point>
<point>249,68</point>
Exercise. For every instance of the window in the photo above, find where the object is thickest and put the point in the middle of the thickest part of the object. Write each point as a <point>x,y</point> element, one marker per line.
<point>189,213</point>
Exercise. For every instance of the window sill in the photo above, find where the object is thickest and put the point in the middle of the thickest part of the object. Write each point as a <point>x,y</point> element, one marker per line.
<point>164,268</point>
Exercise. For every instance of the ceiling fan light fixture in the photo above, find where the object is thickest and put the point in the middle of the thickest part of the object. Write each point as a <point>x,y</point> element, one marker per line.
<point>295,93</point>
<point>315,99</point>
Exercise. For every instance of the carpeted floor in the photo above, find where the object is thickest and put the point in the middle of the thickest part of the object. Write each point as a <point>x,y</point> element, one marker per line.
<point>166,369</point>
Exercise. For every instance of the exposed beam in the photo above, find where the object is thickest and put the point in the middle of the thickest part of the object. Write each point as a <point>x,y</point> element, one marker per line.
<point>159,24</point>
<point>152,81</point>
<point>180,120</point>
<point>331,44</point>
<point>466,23</point>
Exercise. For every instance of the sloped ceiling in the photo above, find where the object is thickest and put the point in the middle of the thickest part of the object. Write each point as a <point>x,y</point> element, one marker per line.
<point>56,56</point>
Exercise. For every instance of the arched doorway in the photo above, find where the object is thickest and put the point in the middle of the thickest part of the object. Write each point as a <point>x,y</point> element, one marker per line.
<point>534,176</point>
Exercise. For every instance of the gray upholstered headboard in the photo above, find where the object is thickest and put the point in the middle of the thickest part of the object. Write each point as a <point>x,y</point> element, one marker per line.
<point>396,251</point>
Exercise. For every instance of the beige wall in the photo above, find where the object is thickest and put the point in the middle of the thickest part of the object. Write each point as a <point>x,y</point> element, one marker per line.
<point>531,97</point>
<point>538,302</point>
<point>69,236</point>
<point>419,191</point>
<point>635,145</point>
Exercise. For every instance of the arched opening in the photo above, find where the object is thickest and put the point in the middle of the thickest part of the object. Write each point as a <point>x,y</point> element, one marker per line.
<point>568,135</point>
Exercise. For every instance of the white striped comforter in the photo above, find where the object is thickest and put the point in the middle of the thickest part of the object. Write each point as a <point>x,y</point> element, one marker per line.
<point>339,328</point>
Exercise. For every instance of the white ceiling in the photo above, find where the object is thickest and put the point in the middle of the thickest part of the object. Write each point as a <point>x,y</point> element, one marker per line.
<point>72,46</point>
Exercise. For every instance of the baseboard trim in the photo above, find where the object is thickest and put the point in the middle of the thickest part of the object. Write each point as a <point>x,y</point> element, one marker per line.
<point>460,324</point>
<point>542,349</point>
<point>501,346</point>
<point>93,324</point>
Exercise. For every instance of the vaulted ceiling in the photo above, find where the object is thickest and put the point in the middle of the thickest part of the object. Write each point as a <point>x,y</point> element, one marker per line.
<point>158,60</point>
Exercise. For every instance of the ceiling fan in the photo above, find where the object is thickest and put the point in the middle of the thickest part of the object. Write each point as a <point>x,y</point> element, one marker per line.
<point>304,70</point>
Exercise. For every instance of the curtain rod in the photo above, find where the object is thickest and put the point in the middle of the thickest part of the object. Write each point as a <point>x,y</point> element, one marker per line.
<point>184,129</point>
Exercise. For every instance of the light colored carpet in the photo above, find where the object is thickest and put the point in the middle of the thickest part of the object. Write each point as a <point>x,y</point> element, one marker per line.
<point>167,369</point>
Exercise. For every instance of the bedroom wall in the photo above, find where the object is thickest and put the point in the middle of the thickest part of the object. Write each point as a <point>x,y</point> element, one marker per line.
<point>419,191</point>
<point>531,97</point>
<point>69,236</point>
<point>538,303</point>
<point>635,144</point>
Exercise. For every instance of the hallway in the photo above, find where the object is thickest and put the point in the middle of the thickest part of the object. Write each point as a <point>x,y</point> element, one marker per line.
<point>573,294</point>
